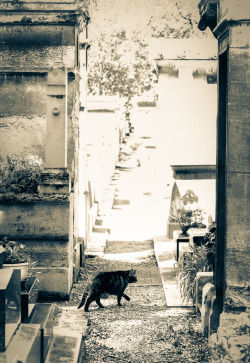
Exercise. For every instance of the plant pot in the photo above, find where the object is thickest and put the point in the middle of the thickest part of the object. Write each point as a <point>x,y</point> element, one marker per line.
<point>22,266</point>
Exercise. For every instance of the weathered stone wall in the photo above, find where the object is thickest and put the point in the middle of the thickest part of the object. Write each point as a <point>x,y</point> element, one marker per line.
<point>102,136</point>
<point>100,139</point>
<point>23,98</point>
<point>231,342</point>
<point>36,36</point>
<point>237,260</point>
<point>37,46</point>
<point>235,10</point>
<point>187,101</point>
<point>23,112</point>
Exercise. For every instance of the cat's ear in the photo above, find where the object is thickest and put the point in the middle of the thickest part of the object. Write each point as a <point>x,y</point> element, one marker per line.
<point>132,272</point>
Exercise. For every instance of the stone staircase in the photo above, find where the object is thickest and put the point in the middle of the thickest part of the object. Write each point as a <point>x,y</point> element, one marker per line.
<point>34,338</point>
<point>101,228</point>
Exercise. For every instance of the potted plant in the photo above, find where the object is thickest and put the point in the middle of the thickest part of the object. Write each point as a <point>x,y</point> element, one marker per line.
<point>16,256</point>
<point>186,212</point>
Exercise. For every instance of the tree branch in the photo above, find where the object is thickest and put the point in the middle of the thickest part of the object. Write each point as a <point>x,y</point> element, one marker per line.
<point>184,17</point>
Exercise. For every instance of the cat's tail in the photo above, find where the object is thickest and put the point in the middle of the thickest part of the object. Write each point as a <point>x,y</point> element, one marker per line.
<point>84,297</point>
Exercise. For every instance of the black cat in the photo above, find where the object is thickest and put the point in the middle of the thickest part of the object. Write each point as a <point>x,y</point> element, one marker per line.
<point>108,283</point>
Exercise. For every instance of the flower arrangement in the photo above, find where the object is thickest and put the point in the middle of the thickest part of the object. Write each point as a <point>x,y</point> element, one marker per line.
<point>15,252</point>
<point>186,212</point>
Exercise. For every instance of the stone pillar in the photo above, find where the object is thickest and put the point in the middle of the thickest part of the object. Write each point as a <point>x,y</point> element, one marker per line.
<point>56,130</point>
<point>230,25</point>
<point>233,120</point>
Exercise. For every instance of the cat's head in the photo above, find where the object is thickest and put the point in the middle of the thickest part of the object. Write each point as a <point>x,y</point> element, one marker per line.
<point>132,276</point>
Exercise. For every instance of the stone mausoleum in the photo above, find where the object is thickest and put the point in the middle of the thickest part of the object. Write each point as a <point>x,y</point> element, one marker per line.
<point>229,20</point>
<point>41,58</point>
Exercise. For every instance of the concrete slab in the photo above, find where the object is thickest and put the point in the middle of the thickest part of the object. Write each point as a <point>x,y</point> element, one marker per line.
<point>101,229</point>
<point>64,348</point>
<point>70,326</point>
<point>24,344</point>
<point>147,276</point>
<point>96,244</point>
<point>70,320</point>
<point>163,248</point>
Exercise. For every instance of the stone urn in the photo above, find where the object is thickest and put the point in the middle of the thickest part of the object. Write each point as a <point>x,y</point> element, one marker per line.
<point>23,266</point>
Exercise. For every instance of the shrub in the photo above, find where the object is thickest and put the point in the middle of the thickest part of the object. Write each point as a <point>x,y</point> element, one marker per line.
<point>200,259</point>
<point>21,175</point>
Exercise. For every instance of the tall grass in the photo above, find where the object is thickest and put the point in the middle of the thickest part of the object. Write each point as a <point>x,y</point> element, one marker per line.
<point>197,260</point>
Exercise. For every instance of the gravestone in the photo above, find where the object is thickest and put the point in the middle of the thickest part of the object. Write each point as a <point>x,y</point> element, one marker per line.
<point>10,305</point>
<point>29,294</point>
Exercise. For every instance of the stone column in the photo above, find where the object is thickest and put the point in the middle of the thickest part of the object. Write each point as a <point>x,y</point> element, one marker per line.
<point>56,130</point>
<point>230,25</point>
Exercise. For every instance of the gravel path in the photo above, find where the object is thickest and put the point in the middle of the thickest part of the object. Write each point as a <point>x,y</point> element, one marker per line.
<point>143,329</point>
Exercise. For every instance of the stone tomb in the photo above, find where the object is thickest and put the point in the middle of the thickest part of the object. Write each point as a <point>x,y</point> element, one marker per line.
<point>29,294</point>
<point>10,305</point>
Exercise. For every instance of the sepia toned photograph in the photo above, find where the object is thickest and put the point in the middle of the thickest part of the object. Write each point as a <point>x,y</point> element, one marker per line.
<point>124,181</point>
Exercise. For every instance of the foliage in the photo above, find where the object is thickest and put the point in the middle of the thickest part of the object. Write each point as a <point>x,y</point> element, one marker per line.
<point>15,252</point>
<point>186,212</point>
<point>119,65</point>
<point>190,264</point>
<point>210,243</point>
<point>200,259</point>
<point>178,20</point>
<point>21,175</point>
<point>153,18</point>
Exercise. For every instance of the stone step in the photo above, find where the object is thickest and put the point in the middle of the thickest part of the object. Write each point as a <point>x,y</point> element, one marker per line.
<point>71,325</point>
<point>103,212</point>
<point>103,221</point>
<point>99,221</point>
<point>108,196</point>
<point>101,229</point>
<point>24,346</point>
<point>44,314</point>
<point>65,347</point>
<point>106,205</point>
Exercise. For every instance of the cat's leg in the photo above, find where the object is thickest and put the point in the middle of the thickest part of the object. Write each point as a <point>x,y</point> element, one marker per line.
<point>119,297</point>
<point>88,302</point>
<point>126,297</point>
<point>98,301</point>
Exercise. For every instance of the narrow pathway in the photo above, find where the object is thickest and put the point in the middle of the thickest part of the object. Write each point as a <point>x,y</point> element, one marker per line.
<point>143,329</point>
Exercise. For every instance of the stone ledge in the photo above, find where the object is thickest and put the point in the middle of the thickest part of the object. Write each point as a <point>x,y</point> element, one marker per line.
<point>202,278</point>
<point>54,283</point>
<point>33,198</point>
